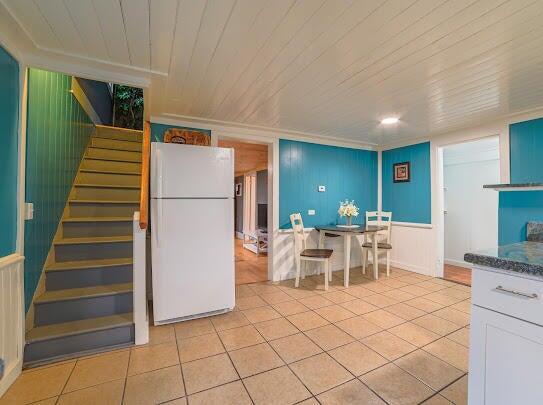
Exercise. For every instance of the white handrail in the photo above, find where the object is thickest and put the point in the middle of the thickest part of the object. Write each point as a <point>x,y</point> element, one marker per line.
<point>141,315</point>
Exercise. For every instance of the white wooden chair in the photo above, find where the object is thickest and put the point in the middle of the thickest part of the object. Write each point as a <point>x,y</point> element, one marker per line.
<point>378,218</point>
<point>301,253</point>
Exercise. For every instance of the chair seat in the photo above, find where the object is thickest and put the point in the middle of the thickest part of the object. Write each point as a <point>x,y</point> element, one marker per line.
<point>380,245</point>
<point>317,253</point>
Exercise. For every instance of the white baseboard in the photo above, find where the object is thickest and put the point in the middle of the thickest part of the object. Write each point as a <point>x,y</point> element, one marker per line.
<point>459,263</point>
<point>239,235</point>
<point>411,267</point>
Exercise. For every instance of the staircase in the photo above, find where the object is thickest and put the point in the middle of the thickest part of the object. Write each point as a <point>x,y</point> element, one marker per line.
<point>87,303</point>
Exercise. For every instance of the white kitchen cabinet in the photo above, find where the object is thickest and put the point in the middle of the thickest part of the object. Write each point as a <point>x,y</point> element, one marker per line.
<point>506,352</point>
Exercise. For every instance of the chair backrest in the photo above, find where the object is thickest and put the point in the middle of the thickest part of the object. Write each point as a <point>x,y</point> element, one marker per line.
<point>298,232</point>
<point>380,218</point>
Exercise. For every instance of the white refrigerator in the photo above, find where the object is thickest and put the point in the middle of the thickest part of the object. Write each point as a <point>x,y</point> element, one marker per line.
<point>192,231</point>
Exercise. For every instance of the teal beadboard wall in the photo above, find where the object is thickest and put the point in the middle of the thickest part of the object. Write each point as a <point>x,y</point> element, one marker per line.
<point>58,131</point>
<point>345,172</point>
<point>9,117</point>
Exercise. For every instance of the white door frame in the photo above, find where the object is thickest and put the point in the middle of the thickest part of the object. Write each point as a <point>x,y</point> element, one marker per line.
<point>438,191</point>
<point>16,260</point>
<point>273,181</point>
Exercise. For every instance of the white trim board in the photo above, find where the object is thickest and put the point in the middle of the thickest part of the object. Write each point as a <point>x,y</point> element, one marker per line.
<point>226,129</point>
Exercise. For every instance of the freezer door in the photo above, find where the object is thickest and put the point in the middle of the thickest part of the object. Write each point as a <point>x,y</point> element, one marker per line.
<point>192,257</point>
<point>188,171</point>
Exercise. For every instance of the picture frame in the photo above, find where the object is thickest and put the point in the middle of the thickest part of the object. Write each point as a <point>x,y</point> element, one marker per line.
<point>401,172</point>
<point>238,189</point>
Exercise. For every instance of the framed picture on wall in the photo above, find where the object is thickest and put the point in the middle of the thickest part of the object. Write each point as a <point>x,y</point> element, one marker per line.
<point>238,190</point>
<point>401,172</point>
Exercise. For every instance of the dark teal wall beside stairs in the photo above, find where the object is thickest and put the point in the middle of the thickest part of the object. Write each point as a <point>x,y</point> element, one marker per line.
<point>526,157</point>
<point>346,173</point>
<point>9,117</point>
<point>58,131</point>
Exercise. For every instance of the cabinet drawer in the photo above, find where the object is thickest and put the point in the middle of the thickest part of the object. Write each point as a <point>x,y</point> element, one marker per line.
<point>511,295</point>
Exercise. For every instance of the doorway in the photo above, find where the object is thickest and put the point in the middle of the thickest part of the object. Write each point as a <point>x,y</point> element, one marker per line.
<point>250,210</point>
<point>470,212</point>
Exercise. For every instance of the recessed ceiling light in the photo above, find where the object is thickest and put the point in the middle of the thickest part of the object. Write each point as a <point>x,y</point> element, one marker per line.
<point>389,120</point>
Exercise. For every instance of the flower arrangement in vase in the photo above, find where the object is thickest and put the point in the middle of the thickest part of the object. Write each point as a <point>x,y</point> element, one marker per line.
<point>348,209</point>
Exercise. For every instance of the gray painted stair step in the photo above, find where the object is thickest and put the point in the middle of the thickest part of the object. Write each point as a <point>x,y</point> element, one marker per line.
<point>86,208</point>
<point>88,276</point>
<point>96,228</point>
<point>72,249</point>
<point>52,342</point>
<point>84,264</point>
<point>112,178</point>
<point>98,219</point>
<point>82,303</point>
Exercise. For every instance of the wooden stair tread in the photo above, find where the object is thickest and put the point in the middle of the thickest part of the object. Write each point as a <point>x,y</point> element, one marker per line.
<point>113,159</point>
<point>78,327</point>
<point>118,149</point>
<point>84,292</point>
<point>96,185</point>
<point>86,264</point>
<point>126,173</point>
<point>98,219</point>
<point>119,129</point>
<point>77,201</point>
<point>93,239</point>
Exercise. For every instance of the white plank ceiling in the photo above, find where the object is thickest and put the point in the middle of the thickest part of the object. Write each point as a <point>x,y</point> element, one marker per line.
<point>327,67</point>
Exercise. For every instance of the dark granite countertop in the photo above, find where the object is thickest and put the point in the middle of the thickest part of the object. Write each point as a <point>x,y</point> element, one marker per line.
<point>513,185</point>
<point>524,257</point>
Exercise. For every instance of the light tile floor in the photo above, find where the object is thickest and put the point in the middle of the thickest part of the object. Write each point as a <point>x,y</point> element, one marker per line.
<point>399,340</point>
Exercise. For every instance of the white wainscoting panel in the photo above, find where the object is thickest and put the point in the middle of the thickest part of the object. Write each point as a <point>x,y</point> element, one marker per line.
<point>413,248</point>
<point>11,318</point>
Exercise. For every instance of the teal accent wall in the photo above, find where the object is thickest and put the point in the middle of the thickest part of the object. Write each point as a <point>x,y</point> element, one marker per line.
<point>410,201</point>
<point>9,119</point>
<point>58,130</point>
<point>526,150</point>
<point>346,173</point>
<point>158,130</point>
<point>518,207</point>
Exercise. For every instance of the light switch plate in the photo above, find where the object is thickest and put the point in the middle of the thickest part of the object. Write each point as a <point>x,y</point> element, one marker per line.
<point>322,189</point>
<point>310,212</point>
<point>29,211</point>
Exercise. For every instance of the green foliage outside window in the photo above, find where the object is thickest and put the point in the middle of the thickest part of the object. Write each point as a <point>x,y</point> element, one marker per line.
<point>128,107</point>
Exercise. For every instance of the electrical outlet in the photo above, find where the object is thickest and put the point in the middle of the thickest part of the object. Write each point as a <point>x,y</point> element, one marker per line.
<point>310,212</point>
<point>322,189</point>
<point>29,211</point>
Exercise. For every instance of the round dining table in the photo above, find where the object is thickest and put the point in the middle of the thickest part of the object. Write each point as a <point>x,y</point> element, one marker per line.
<point>348,232</point>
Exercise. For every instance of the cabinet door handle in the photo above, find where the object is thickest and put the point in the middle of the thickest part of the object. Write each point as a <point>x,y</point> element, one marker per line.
<point>514,292</point>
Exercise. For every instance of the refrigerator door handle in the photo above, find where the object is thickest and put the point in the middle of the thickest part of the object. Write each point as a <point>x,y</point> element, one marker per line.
<point>159,170</point>
<point>158,224</point>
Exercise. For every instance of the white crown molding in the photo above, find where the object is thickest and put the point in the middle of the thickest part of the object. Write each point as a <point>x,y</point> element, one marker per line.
<point>235,129</point>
